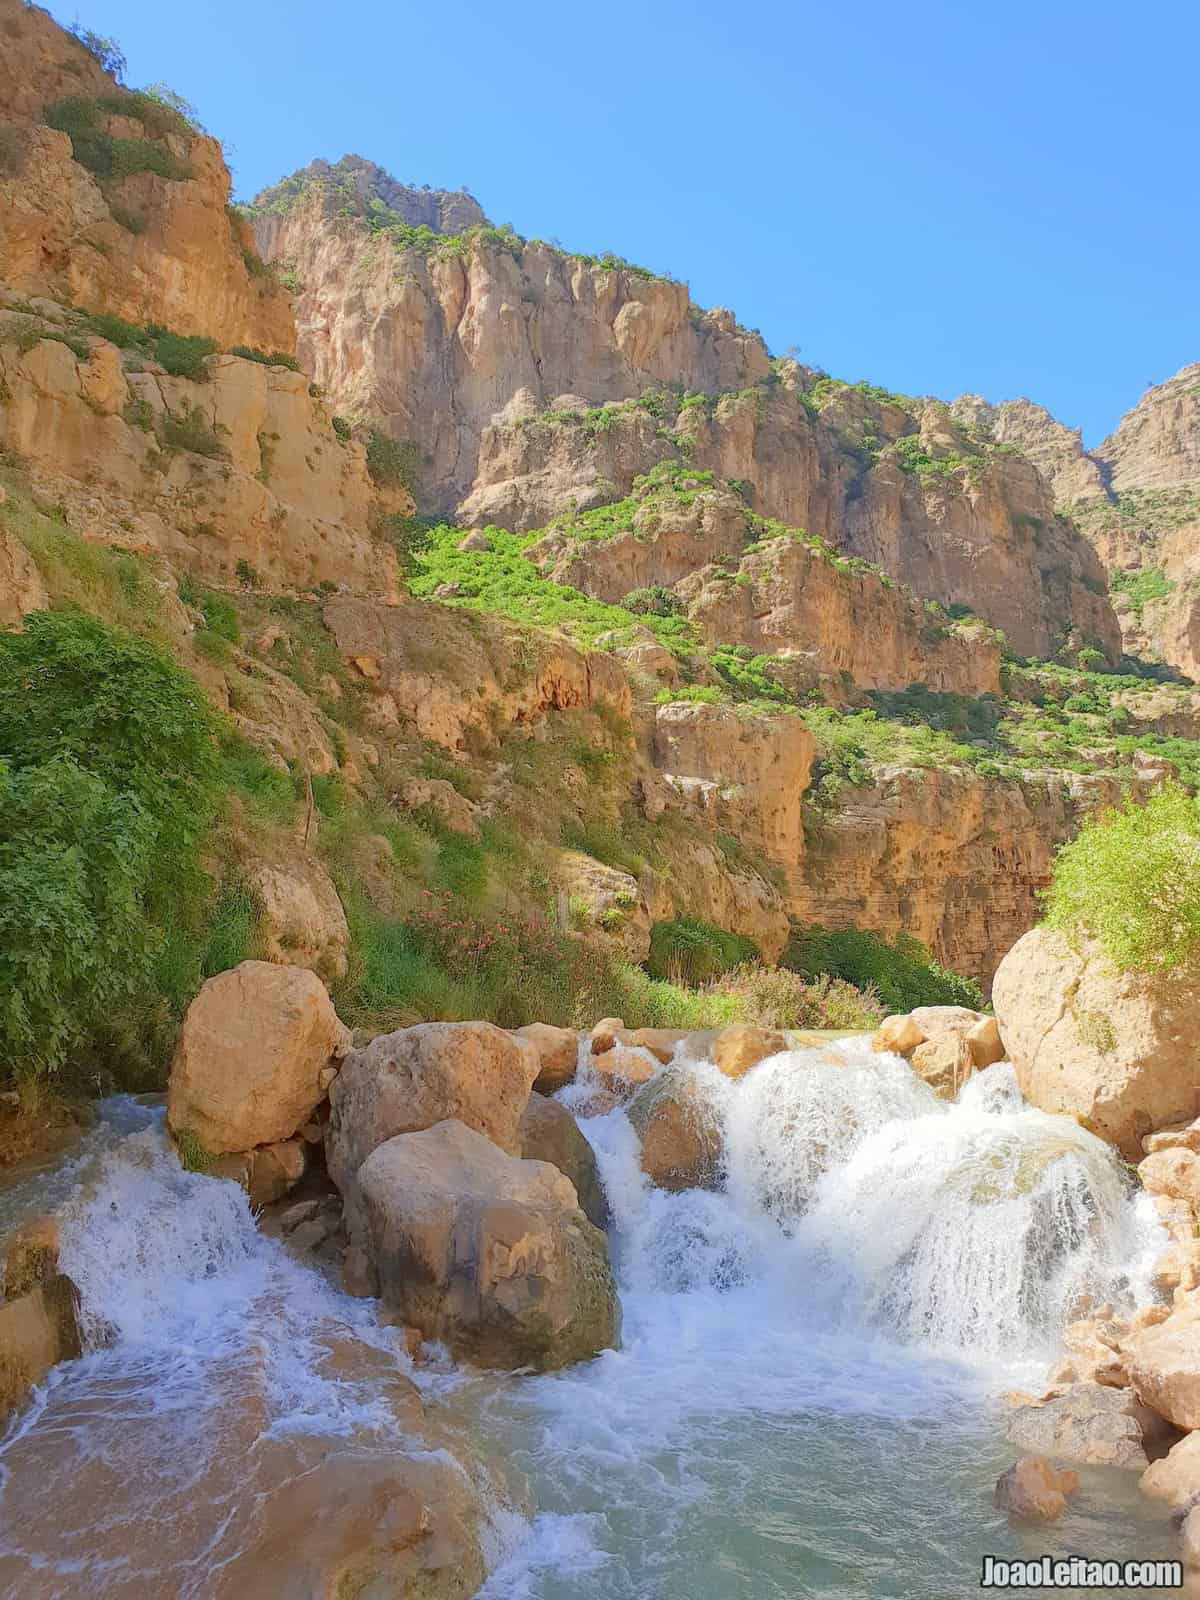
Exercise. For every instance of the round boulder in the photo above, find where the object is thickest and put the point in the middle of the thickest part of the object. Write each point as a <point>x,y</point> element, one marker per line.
<point>550,1133</point>
<point>250,1056</point>
<point>680,1137</point>
<point>485,1251</point>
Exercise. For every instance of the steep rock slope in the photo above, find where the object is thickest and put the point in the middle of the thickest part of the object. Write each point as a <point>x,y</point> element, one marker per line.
<point>468,345</point>
<point>1136,498</point>
<point>115,201</point>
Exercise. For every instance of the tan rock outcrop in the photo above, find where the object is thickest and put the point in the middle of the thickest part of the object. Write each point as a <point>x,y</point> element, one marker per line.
<point>241,473</point>
<point>550,1133</point>
<point>21,586</point>
<point>147,248</point>
<point>1032,1490</point>
<point>1088,1423</point>
<point>404,1082</point>
<point>1175,1477</point>
<point>301,920</point>
<point>1115,1051</point>
<point>680,1137</point>
<point>251,1051</point>
<point>487,1252</point>
<point>558,1054</point>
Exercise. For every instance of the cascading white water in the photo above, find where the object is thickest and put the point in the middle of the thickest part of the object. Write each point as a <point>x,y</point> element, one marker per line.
<point>809,1353</point>
<point>806,1363</point>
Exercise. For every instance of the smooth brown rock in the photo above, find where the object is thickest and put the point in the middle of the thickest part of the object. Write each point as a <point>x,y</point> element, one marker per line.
<point>487,1252</point>
<point>1115,1051</point>
<point>558,1054</point>
<point>680,1138</point>
<point>987,1047</point>
<point>661,1042</point>
<point>944,1062</point>
<point>899,1034</point>
<point>740,1047</point>
<point>249,1056</point>
<point>38,1329</point>
<point>550,1133</point>
<point>1032,1490</point>
<point>606,1034</point>
<point>1174,1173</point>
<point>403,1082</point>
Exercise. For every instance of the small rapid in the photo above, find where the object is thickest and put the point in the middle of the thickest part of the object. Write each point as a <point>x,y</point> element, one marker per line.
<point>804,1402</point>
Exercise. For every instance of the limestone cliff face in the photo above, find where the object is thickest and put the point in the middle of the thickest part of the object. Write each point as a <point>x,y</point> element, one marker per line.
<point>1057,451</point>
<point>1135,498</point>
<point>974,527</point>
<point>239,473</point>
<point>438,342</point>
<point>830,621</point>
<point>463,345</point>
<point>1157,444</point>
<point>144,230</point>
<point>954,858</point>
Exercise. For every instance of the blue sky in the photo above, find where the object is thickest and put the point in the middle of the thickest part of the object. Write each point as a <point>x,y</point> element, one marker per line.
<point>938,197</point>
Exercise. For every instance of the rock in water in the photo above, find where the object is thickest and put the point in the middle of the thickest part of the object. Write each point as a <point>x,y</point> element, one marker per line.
<point>485,1251</point>
<point>1033,1490</point>
<point>403,1082</point>
<point>1087,1423</point>
<point>550,1133</point>
<point>251,1053</point>
<point>1116,1051</point>
<point>740,1047</point>
<point>680,1137</point>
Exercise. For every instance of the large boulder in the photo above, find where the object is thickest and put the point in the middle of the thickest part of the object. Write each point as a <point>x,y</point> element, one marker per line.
<point>680,1137</point>
<point>403,1082</point>
<point>944,1044</point>
<point>1087,1423</point>
<point>1164,1366</point>
<point>301,917</point>
<point>485,1251</point>
<point>1116,1051</point>
<point>252,1059</point>
<point>1175,1477</point>
<point>558,1054</point>
<point>550,1133</point>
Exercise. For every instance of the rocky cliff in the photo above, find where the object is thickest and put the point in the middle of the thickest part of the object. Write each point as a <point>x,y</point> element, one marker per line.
<point>1136,498</point>
<point>515,372</point>
<point>115,201</point>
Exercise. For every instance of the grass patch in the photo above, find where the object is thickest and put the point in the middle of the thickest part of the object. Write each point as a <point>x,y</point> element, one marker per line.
<point>900,972</point>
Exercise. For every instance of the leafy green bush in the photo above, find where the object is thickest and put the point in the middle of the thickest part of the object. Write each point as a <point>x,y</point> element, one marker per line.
<point>901,971</point>
<point>109,781</point>
<point>1131,880</point>
<point>1141,588</point>
<point>392,463</point>
<point>103,155</point>
<point>689,950</point>
<point>191,431</point>
<point>273,358</point>
<point>106,51</point>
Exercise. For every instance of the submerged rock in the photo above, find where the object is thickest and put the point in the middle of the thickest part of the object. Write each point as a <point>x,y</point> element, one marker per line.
<point>485,1251</point>
<point>1032,1490</point>
<point>250,1058</point>
<point>550,1133</point>
<point>680,1137</point>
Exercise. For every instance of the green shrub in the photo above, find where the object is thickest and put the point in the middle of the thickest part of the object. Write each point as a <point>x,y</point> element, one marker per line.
<point>274,358</point>
<point>901,972</point>
<point>392,463</point>
<point>1131,880</point>
<point>774,997</point>
<point>192,431</point>
<point>688,950</point>
<point>109,780</point>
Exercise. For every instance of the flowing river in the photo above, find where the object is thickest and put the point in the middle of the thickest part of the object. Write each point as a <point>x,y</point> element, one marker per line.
<point>806,1401</point>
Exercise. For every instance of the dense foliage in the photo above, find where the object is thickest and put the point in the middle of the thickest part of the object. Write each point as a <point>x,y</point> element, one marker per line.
<point>1131,880</point>
<point>901,972</point>
<point>108,769</point>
